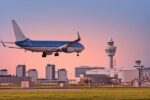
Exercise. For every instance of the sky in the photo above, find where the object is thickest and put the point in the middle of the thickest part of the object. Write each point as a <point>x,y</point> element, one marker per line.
<point>127,22</point>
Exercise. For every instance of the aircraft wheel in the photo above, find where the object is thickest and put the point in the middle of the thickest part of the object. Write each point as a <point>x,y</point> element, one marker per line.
<point>78,54</point>
<point>44,54</point>
<point>56,54</point>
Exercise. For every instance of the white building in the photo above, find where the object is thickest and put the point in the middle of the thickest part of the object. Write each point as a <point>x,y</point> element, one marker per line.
<point>124,74</point>
<point>108,72</point>
<point>3,72</point>
<point>146,72</point>
<point>33,74</point>
<point>62,75</point>
<point>82,70</point>
<point>98,72</point>
<point>99,75</point>
<point>21,71</point>
<point>127,74</point>
<point>50,72</point>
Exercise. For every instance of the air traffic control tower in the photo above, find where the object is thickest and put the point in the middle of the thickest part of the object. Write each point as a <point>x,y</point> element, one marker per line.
<point>111,50</point>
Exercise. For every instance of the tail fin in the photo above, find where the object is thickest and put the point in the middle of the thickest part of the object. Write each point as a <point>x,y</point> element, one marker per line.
<point>18,33</point>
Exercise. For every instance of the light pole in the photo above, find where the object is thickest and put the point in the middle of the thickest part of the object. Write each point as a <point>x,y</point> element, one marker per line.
<point>139,68</point>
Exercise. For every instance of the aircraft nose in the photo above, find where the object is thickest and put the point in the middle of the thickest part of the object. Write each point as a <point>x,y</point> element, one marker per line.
<point>83,47</point>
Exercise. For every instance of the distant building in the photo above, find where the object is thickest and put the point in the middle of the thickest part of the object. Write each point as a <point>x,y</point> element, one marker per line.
<point>10,80</point>
<point>43,81</point>
<point>21,71</point>
<point>56,75</point>
<point>72,81</point>
<point>98,79</point>
<point>146,72</point>
<point>50,72</point>
<point>33,74</point>
<point>98,76</point>
<point>82,70</point>
<point>46,81</point>
<point>3,72</point>
<point>62,75</point>
<point>123,75</point>
<point>127,75</point>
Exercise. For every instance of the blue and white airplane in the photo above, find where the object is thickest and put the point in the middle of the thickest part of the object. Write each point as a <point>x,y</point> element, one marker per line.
<point>46,47</point>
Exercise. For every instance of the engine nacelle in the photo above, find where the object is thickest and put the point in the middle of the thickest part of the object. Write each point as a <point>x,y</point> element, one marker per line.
<point>68,50</point>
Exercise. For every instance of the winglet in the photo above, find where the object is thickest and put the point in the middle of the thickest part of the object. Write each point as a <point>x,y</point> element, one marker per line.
<point>79,38</point>
<point>3,43</point>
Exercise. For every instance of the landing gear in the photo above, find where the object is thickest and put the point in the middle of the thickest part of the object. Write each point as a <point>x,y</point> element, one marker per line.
<point>78,54</point>
<point>44,54</point>
<point>56,54</point>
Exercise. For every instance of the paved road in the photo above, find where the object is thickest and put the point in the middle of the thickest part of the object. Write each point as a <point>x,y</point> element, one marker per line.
<point>43,89</point>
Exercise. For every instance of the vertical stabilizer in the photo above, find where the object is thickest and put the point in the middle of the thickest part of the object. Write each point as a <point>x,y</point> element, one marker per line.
<point>18,33</point>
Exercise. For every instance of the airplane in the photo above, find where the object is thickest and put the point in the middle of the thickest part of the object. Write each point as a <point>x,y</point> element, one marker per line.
<point>46,47</point>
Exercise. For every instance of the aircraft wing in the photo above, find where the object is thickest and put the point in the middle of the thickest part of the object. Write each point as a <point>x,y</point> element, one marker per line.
<point>8,42</point>
<point>70,43</point>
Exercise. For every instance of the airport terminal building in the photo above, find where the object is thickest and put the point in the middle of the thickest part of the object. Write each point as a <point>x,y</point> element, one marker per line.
<point>107,75</point>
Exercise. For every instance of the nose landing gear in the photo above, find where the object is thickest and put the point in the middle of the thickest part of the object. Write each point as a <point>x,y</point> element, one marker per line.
<point>56,54</point>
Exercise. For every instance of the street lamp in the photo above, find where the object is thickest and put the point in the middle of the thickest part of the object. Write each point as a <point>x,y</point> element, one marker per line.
<point>139,68</point>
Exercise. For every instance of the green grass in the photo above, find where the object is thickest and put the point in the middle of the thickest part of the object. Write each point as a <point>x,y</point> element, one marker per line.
<point>84,94</point>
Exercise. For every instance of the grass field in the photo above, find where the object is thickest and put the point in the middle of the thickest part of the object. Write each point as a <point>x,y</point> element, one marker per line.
<point>84,94</point>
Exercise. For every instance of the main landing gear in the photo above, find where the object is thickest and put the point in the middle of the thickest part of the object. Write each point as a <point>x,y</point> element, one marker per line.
<point>44,54</point>
<point>78,54</point>
<point>56,54</point>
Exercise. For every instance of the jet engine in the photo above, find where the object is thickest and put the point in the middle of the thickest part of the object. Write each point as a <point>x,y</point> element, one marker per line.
<point>68,50</point>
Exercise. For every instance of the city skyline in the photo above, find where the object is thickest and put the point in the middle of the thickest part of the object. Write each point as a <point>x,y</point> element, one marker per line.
<point>127,22</point>
<point>23,71</point>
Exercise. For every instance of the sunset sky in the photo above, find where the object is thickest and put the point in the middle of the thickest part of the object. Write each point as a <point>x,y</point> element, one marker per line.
<point>126,21</point>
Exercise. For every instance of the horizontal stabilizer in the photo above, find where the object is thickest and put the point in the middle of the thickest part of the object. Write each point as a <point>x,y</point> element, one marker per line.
<point>3,43</point>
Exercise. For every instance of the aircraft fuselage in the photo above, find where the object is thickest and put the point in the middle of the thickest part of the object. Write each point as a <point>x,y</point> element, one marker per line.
<point>48,46</point>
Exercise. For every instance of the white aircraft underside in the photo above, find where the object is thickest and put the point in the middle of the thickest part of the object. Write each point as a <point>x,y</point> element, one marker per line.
<point>50,49</point>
